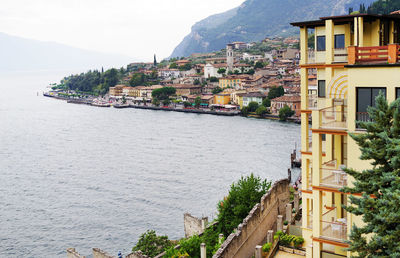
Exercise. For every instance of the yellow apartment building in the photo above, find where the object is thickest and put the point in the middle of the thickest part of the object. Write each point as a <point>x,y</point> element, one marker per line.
<point>233,81</point>
<point>222,98</point>
<point>356,57</point>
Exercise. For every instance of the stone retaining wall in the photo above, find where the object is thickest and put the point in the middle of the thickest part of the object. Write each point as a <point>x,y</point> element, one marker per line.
<point>253,230</point>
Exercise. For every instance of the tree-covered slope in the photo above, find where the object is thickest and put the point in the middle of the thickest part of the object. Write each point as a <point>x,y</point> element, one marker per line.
<point>256,19</point>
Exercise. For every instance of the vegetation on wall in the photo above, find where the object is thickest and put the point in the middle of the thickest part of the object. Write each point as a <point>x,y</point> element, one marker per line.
<point>242,197</point>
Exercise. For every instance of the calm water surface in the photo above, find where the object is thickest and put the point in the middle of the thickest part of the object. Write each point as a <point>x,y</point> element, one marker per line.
<point>80,176</point>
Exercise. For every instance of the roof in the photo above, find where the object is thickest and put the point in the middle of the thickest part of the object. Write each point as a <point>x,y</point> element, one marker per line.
<point>287,98</point>
<point>344,19</point>
<point>254,95</point>
<point>185,86</point>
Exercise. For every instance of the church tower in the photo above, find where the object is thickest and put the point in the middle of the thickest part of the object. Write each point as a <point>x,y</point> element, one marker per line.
<point>229,56</point>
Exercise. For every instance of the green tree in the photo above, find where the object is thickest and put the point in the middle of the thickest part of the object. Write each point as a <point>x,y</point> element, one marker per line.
<point>187,104</point>
<point>156,102</point>
<point>275,92</point>
<point>244,111</point>
<point>242,197</point>
<point>217,90</point>
<point>166,102</point>
<point>197,102</point>
<point>266,102</point>
<point>163,93</point>
<point>213,79</point>
<point>137,79</point>
<point>285,113</point>
<point>221,71</point>
<point>261,110</point>
<point>250,71</point>
<point>253,106</point>
<point>380,185</point>
<point>185,67</point>
<point>151,244</point>
<point>173,66</point>
<point>258,64</point>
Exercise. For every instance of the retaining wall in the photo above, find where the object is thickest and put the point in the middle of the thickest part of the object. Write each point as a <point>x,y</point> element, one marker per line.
<point>253,230</point>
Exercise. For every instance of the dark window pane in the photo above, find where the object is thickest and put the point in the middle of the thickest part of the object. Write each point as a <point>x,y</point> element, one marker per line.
<point>363,99</point>
<point>397,93</point>
<point>321,88</point>
<point>339,41</point>
<point>375,93</point>
<point>321,43</point>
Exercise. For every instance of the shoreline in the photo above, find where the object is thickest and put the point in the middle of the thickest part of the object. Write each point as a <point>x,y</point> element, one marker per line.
<point>171,109</point>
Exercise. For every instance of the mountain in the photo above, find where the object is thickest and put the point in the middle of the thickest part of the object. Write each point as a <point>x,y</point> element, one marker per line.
<point>256,19</point>
<point>20,54</point>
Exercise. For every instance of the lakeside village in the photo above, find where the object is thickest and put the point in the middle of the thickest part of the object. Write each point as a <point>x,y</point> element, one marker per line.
<point>252,79</point>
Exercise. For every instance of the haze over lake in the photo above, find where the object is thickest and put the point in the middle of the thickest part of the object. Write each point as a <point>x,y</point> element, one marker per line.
<point>80,176</point>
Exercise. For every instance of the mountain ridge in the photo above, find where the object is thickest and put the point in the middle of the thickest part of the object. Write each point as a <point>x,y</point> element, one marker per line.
<point>254,20</point>
<point>22,54</point>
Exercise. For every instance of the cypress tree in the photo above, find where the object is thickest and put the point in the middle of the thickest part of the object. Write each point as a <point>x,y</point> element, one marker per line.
<point>155,61</point>
<point>379,204</point>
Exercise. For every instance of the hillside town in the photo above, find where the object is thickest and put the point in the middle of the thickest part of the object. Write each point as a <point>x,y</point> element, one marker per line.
<point>226,81</point>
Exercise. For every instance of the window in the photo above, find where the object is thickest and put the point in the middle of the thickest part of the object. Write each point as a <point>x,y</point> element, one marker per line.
<point>321,88</point>
<point>321,43</point>
<point>397,93</point>
<point>339,41</point>
<point>365,98</point>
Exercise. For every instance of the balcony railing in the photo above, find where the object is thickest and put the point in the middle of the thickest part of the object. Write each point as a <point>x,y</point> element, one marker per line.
<point>332,227</point>
<point>389,53</point>
<point>335,178</point>
<point>334,117</point>
<point>312,101</point>
<point>340,55</point>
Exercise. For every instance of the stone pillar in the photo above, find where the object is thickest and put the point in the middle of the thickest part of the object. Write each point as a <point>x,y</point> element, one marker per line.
<point>203,253</point>
<point>296,200</point>
<point>279,223</point>
<point>204,222</point>
<point>258,253</point>
<point>270,236</point>
<point>289,212</point>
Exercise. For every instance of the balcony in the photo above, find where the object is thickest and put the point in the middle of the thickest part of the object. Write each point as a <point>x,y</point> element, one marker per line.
<point>333,177</point>
<point>340,55</point>
<point>334,117</point>
<point>312,101</point>
<point>378,54</point>
<point>333,228</point>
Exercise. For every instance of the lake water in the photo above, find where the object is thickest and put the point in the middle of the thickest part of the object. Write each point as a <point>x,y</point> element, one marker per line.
<point>81,176</point>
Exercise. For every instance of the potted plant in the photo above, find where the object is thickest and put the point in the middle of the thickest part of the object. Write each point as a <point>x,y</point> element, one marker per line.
<point>266,248</point>
<point>285,225</point>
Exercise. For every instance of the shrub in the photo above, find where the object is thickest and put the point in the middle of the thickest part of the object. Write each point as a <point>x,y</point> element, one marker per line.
<point>252,106</point>
<point>285,222</point>
<point>261,110</point>
<point>242,197</point>
<point>244,111</point>
<point>286,240</point>
<point>187,104</point>
<point>279,233</point>
<point>266,247</point>
<point>285,112</point>
<point>151,244</point>
<point>298,241</point>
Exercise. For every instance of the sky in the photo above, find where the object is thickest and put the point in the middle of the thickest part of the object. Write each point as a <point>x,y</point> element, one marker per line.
<point>134,28</point>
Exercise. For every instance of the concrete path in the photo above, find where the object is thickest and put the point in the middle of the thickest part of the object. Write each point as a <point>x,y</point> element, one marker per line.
<point>281,254</point>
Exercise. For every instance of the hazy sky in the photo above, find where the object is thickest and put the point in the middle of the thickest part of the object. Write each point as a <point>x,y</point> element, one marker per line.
<point>136,28</point>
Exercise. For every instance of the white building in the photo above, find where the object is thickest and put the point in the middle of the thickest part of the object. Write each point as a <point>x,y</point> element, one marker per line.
<point>211,70</point>
<point>248,57</point>
<point>169,73</point>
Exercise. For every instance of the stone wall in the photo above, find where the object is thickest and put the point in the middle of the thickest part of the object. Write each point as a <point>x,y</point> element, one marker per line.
<point>97,253</point>
<point>72,253</point>
<point>253,230</point>
<point>193,225</point>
